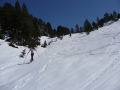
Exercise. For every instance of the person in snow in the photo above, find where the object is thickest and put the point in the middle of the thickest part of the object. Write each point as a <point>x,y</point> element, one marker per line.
<point>32,53</point>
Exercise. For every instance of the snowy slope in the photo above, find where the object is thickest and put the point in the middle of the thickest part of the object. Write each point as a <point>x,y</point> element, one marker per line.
<point>80,62</point>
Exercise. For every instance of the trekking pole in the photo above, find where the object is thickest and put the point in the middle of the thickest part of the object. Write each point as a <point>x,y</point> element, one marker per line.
<point>37,53</point>
<point>25,59</point>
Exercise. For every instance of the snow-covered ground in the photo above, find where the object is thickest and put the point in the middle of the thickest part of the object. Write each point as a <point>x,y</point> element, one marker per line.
<point>80,62</point>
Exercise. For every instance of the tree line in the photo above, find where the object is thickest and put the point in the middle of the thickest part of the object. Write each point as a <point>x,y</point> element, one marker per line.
<point>25,29</point>
<point>88,27</point>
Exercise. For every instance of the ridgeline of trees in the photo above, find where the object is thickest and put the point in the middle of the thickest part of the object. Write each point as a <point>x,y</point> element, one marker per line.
<point>88,27</point>
<point>25,29</point>
<point>22,27</point>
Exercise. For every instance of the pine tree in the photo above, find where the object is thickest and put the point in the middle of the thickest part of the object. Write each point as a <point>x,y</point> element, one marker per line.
<point>23,53</point>
<point>34,32</point>
<point>115,15</point>
<point>50,31</point>
<point>17,23</point>
<point>72,31</point>
<point>55,32</point>
<point>25,25</point>
<point>87,27</point>
<point>59,31</point>
<point>17,16</point>
<point>94,25</point>
<point>45,44</point>
<point>77,28</point>
<point>98,20</point>
<point>81,30</point>
<point>111,17</point>
<point>42,27</point>
<point>106,17</point>
<point>65,30</point>
<point>7,19</point>
<point>101,22</point>
<point>1,19</point>
<point>118,15</point>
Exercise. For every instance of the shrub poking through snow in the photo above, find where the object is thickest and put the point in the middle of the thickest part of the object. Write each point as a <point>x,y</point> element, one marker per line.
<point>22,54</point>
<point>45,44</point>
<point>12,45</point>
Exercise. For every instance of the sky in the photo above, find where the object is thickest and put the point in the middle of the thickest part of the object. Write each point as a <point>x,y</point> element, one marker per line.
<point>68,13</point>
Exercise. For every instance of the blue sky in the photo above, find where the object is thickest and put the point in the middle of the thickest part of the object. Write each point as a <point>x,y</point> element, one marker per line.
<point>68,13</point>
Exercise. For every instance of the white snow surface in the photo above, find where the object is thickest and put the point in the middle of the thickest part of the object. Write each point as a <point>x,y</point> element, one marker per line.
<point>80,62</point>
